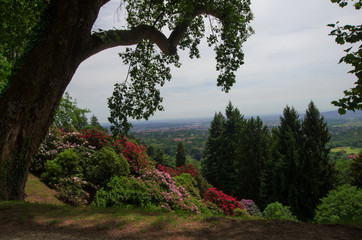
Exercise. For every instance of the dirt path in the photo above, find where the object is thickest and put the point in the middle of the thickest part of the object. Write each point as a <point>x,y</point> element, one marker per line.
<point>209,229</point>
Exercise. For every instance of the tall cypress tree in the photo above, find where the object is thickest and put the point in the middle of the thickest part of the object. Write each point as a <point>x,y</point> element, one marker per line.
<point>212,155</point>
<point>316,171</point>
<point>180,155</point>
<point>252,154</point>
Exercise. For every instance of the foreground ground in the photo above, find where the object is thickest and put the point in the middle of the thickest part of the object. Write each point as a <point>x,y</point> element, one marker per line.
<point>33,221</point>
<point>39,221</point>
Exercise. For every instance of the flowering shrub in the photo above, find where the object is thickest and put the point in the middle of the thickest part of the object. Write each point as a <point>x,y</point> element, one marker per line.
<point>96,138</point>
<point>175,197</point>
<point>189,183</point>
<point>223,201</point>
<point>127,191</point>
<point>66,164</point>
<point>188,168</point>
<point>136,156</point>
<point>250,207</point>
<point>152,188</point>
<point>57,141</point>
<point>71,191</point>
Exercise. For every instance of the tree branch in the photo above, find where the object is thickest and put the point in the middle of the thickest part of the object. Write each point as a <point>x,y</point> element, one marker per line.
<point>113,38</point>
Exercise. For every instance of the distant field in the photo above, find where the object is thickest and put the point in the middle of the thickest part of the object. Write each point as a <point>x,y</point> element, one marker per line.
<point>348,150</point>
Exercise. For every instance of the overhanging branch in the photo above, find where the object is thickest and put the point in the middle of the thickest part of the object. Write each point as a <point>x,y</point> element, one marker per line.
<point>113,38</point>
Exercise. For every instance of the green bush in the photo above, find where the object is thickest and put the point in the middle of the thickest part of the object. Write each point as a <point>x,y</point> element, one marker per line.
<point>70,190</point>
<point>108,164</point>
<point>238,212</point>
<point>122,191</point>
<point>276,210</point>
<point>189,183</point>
<point>65,165</point>
<point>341,205</point>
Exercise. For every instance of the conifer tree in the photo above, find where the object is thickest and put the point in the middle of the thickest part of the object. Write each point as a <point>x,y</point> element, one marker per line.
<point>180,155</point>
<point>159,157</point>
<point>252,153</point>
<point>234,122</point>
<point>212,155</point>
<point>286,156</point>
<point>94,121</point>
<point>316,171</point>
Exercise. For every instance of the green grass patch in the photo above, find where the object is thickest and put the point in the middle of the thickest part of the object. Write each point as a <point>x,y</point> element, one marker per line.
<point>349,150</point>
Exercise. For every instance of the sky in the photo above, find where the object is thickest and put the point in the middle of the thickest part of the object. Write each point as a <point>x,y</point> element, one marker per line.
<point>290,60</point>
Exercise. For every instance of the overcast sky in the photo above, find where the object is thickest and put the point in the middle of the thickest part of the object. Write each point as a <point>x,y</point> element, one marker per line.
<point>290,60</point>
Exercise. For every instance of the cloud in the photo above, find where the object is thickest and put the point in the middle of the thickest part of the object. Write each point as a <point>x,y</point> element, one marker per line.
<point>289,60</point>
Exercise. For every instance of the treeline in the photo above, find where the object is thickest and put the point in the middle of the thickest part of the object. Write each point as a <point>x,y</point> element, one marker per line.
<point>289,164</point>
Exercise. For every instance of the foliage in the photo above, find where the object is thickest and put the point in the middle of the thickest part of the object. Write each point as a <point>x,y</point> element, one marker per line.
<point>253,151</point>
<point>350,34</point>
<point>225,202</point>
<point>341,205</point>
<point>356,171</point>
<point>250,207</point>
<point>239,212</point>
<point>69,115</point>
<point>153,188</point>
<point>108,164</point>
<point>17,26</point>
<point>66,164</point>
<point>55,142</point>
<point>180,155</point>
<point>122,191</point>
<point>220,154</point>
<point>189,183</point>
<point>318,173</point>
<point>149,67</point>
<point>276,210</point>
<point>71,191</point>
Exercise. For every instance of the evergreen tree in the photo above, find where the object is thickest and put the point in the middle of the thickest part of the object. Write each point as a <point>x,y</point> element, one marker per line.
<point>286,156</point>
<point>180,155</point>
<point>316,171</point>
<point>151,151</point>
<point>252,154</point>
<point>234,122</point>
<point>94,121</point>
<point>159,157</point>
<point>212,155</point>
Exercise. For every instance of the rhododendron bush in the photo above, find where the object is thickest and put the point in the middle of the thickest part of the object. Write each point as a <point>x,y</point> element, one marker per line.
<point>227,203</point>
<point>152,188</point>
<point>139,184</point>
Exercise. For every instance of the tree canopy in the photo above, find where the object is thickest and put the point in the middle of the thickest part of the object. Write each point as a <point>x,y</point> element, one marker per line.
<point>350,34</point>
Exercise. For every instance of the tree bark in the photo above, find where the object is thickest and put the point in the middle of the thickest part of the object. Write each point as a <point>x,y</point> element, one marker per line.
<point>28,106</point>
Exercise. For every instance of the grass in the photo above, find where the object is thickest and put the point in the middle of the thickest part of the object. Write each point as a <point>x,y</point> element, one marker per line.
<point>349,150</point>
<point>37,191</point>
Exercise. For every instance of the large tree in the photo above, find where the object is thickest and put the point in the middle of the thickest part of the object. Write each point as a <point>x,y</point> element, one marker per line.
<point>252,153</point>
<point>316,171</point>
<point>180,155</point>
<point>64,39</point>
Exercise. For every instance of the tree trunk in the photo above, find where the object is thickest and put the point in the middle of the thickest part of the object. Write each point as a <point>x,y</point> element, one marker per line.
<point>28,106</point>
